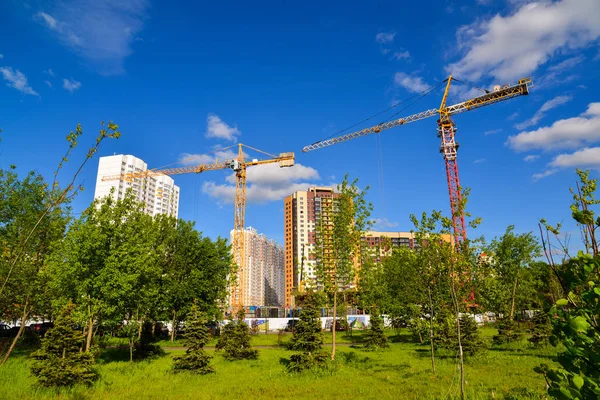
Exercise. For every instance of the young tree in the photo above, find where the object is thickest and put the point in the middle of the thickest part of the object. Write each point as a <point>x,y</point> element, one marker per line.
<point>60,361</point>
<point>541,330</point>
<point>308,338</point>
<point>575,318</point>
<point>235,340</point>
<point>340,226</point>
<point>375,337</point>
<point>195,358</point>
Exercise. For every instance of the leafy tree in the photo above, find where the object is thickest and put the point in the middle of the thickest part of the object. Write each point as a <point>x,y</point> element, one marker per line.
<point>235,340</point>
<point>375,337</point>
<point>60,361</point>
<point>195,358</point>
<point>541,330</point>
<point>575,318</point>
<point>340,226</point>
<point>509,285</point>
<point>308,338</point>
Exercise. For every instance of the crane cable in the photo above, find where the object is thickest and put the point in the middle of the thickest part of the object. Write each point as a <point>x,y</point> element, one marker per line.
<point>420,95</point>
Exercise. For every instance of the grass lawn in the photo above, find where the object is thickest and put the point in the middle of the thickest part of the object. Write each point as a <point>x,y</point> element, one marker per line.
<point>401,372</point>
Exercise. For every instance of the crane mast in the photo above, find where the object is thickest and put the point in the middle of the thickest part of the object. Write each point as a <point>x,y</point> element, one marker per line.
<point>446,132</point>
<point>238,165</point>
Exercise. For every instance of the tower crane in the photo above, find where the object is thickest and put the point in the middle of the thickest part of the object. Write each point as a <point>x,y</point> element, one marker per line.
<point>446,132</point>
<point>239,166</point>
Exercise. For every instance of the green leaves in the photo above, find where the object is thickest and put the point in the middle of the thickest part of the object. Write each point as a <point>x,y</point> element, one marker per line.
<point>562,302</point>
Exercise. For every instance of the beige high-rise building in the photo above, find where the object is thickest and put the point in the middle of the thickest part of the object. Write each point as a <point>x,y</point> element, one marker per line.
<point>159,193</point>
<point>264,270</point>
<point>302,210</point>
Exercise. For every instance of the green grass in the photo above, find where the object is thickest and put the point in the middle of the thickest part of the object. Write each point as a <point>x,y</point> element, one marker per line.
<point>402,372</point>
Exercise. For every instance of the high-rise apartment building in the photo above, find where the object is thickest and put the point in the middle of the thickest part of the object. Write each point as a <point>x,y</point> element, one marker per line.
<point>264,275</point>
<point>159,193</point>
<point>384,242</point>
<point>302,210</point>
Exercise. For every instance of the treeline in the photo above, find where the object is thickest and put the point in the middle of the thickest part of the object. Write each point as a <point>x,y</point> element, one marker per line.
<point>116,266</point>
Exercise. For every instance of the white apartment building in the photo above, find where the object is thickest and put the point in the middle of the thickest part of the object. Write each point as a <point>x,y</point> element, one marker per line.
<point>159,193</point>
<point>265,282</point>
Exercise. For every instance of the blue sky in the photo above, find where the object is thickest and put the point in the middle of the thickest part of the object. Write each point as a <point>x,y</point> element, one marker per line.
<point>184,79</point>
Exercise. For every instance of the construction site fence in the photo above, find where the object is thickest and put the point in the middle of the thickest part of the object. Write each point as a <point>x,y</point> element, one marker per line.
<point>282,312</point>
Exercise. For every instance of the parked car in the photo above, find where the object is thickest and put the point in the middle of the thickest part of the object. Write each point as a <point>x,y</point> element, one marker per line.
<point>41,328</point>
<point>5,331</point>
<point>291,325</point>
<point>341,324</point>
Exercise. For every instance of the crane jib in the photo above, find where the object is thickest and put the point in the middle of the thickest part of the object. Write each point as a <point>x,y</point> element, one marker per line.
<point>499,94</point>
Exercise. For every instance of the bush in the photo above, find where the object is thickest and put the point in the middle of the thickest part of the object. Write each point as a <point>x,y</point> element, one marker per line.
<point>508,332</point>
<point>541,330</point>
<point>60,361</point>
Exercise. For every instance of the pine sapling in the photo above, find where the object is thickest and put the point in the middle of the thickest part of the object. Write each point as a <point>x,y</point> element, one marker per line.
<point>196,337</point>
<point>59,361</point>
<point>541,330</point>
<point>235,340</point>
<point>375,337</point>
<point>308,338</point>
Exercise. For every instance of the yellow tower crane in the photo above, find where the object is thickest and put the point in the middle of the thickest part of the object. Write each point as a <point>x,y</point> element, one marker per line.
<point>238,165</point>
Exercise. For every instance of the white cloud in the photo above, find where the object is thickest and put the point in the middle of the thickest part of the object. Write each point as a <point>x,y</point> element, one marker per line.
<point>218,129</point>
<point>265,183</point>
<point>531,158</point>
<point>588,157</point>
<point>479,161</point>
<point>49,72</point>
<point>514,46</point>
<point>401,55</point>
<point>219,155</point>
<point>537,177</point>
<point>1,56</point>
<point>383,223</point>
<point>547,106</point>
<point>100,31</point>
<point>413,84</point>
<point>492,131</point>
<point>564,133</point>
<point>385,37</point>
<point>48,83</point>
<point>71,85</point>
<point>16,79</point>
<point>385,51</point>
<point>566,64</point>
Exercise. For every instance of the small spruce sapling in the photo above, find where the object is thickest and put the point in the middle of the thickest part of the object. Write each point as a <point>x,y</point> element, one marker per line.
<point>196,337</point>
<point>375,337</point>
<point>541,330</point>
<point>235,340</point>
<point>59,361</point>
<point>308,338</point>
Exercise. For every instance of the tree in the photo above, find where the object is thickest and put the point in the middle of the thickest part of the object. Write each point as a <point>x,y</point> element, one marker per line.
<point>308,338</point>
<point>541,330</point>
<point>375,337</point>
<point>60,361</point>
<point>340,226</point>
<point>575,322</point>
<point>196,336</point>
<point>470,340</point>
<point>235,340</point>
<point>510,257</point>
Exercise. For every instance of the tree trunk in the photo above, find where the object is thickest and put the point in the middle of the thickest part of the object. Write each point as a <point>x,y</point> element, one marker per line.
<point>173,328</point>
<point>514,292</point>
<point>333,325</point>
<point>460,349</point>
<point>90,332</point>
<point>140,329</point>
<point>130,350</point>
<point>153,327</point>
<point>21,329</point>
<point>431,331</point>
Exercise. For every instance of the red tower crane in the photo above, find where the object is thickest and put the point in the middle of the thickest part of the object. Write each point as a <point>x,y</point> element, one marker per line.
<point>446,132</point>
